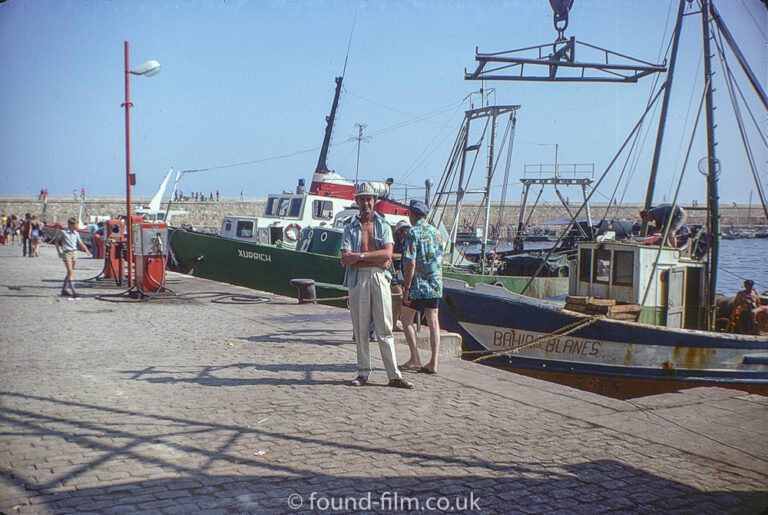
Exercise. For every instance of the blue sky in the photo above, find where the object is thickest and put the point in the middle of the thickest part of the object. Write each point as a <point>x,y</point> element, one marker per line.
<point>247,81</point>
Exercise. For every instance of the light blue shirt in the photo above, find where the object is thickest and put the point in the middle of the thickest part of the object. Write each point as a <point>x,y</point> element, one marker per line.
<point>353,233</point>
<point>68,239</point>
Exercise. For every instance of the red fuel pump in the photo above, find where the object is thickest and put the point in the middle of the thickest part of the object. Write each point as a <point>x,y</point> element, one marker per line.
<point>150,244</point>
<point>114,237</point>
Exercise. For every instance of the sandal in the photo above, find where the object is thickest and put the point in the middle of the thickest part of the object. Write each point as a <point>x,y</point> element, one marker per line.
<point>359,381</point>
<point>399,382</point>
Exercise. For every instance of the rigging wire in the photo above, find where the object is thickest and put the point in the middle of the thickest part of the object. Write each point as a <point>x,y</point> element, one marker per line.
<point>315,149</point>
<point>503,198</point>
<point>645,129</point>
<point>349,45</point>
<point>588,197</point>
<point>730,82</point>
<point>423,117</point>
<point>668,223</point>
<point>692,99</point>
<point>424,154</point>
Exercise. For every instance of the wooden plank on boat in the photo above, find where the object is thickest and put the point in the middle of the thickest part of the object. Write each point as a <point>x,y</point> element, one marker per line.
<point>606,307</point>
<point>624,316</point>
<point>624,308</point>
<point>601,302</point>
<point>577,300</point>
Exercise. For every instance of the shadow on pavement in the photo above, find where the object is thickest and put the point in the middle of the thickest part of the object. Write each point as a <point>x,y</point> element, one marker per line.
<point>198,478</point>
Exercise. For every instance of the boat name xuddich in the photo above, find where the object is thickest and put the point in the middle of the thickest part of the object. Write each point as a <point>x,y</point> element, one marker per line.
<point>254,255</point>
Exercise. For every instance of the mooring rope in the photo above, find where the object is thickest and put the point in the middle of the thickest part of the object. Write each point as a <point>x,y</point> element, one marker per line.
<point>566,330</point>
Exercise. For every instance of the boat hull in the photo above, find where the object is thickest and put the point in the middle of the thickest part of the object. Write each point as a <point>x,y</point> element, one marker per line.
<point>263,267</point>
<point>616,358</point>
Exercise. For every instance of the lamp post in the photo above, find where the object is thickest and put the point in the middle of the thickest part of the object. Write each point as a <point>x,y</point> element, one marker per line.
<point>147,69</point>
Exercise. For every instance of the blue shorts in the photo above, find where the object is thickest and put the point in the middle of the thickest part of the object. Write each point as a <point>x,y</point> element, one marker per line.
<point>420,304</point>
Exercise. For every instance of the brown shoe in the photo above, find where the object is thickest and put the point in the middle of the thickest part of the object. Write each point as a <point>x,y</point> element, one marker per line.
<point>359,381</point>
<point>399,382</point>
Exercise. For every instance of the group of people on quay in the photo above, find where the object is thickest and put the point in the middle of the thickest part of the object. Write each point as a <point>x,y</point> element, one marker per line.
<point>368,254</point>
<point>196,196</point>
<point>27,232</point>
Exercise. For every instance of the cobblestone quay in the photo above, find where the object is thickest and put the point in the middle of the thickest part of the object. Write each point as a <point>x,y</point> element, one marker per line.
<point>187,405</point>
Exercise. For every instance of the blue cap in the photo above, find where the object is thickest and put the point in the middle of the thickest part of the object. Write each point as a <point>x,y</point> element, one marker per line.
<point>419,207</point>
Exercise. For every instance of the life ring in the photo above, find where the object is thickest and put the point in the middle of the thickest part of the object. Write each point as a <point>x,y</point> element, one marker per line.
<point>292,232</point>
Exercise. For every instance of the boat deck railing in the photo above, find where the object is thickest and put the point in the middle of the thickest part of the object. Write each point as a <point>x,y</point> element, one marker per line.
<point>564,171</point>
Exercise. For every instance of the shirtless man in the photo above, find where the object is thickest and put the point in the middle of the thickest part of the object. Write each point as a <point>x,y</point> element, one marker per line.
<point>366,252</point>
<point>759,314</point>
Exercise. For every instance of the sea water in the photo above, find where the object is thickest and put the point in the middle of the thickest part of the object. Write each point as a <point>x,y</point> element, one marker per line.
<point>741,259</point>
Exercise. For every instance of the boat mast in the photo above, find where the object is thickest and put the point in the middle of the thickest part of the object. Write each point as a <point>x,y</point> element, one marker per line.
<point>489,178</point>
<point>322,167</point>
<point>713,169</point>
<point>663,115</point>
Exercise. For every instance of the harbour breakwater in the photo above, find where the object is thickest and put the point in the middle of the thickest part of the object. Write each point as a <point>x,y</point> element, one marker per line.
<point>210,213</point>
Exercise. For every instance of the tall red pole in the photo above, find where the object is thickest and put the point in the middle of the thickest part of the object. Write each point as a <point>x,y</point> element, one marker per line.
<point>128,176</point>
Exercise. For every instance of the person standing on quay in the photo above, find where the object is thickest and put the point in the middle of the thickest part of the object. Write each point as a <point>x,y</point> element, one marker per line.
<point>26,242</point>
<point>423,284</point>
<point>67,242</point>
<point>401,230</point>
<point>35,234</point>
<point>366,252</point>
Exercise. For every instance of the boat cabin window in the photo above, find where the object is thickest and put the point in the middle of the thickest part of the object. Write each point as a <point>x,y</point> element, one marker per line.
<point>602,267</point>
<point>244,229</point>
<point>228,226</point>
<point>282,206</point>
<point>271,206</point>
<point>623,267</point>
<point>295,209</point>
<point>585,265</point>
<point>322,209</point>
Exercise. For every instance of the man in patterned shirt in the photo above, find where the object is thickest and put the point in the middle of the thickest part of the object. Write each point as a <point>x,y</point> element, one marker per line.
<point>423,284</point>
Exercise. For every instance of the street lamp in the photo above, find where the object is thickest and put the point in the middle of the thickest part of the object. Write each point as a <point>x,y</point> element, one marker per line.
<point>147,69</point>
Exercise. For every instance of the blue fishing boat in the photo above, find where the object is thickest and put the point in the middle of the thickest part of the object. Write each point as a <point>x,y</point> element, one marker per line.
<point>641,317</point>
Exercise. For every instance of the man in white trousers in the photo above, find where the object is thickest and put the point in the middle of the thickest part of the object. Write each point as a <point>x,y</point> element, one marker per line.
<point>366,252</point>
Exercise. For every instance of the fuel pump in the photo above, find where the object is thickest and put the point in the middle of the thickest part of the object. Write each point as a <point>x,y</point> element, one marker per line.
<point>150,244</point>
<point>114,240</point>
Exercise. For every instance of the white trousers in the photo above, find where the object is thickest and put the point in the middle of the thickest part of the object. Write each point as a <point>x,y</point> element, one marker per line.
<point>372,297</point>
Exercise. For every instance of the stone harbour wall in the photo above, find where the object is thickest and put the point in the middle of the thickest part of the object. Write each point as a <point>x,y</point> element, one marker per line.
<point>210,214</point>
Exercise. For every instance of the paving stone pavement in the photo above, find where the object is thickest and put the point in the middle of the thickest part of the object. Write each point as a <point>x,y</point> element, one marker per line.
<point>186,405</point>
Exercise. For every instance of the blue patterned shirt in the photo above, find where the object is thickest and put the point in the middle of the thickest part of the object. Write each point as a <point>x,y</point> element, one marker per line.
<point>425,245</point>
